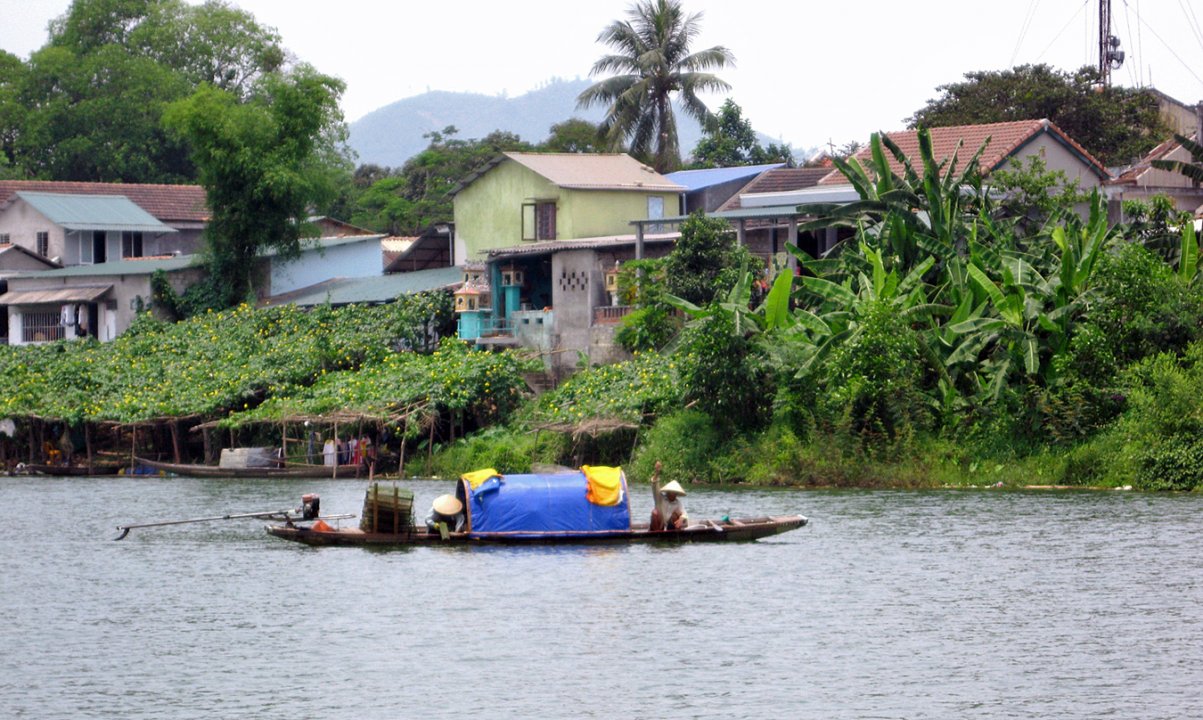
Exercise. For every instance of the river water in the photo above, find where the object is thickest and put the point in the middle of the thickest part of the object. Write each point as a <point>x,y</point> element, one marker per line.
<point>954,604</point>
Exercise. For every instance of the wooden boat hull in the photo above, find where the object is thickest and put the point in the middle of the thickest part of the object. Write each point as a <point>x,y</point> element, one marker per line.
<point>213,471</point>
<point>737,530</point>
<point>72,470</point>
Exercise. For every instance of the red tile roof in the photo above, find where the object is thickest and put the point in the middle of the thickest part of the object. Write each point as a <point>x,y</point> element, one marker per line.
<point>168,203</point>
<point>1005,138</point>
<point>778,180</point>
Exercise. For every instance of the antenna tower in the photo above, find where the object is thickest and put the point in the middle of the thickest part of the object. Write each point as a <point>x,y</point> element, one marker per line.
<point>1110,56</point>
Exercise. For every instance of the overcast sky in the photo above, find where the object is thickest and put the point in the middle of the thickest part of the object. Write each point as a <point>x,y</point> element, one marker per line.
<point>806,72</point>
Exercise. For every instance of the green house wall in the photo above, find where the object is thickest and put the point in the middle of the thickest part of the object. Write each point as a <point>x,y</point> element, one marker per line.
<point>488,212</point>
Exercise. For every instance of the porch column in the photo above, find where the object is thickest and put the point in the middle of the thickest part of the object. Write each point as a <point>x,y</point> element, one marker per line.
<point>741,232</point>
<point>638,241</point>
<point>793,239</point>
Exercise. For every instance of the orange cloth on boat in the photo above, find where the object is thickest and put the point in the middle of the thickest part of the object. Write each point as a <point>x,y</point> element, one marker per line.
<point>477,477</point>
<point>603,484</point>
<point>322,526</point>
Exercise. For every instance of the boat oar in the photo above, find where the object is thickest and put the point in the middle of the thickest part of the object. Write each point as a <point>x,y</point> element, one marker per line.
<point>271,514</point>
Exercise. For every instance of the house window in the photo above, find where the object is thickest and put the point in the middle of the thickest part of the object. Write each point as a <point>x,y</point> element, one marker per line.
<point>655,211</point>
<point>5,239</point>
<point>131,244</point>
<point>41,326</point>
<point>539,221</point>
<point>43,243</point>
<point>99,247</point>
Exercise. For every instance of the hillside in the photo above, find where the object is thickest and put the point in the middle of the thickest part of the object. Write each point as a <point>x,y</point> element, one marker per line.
<point>392,134</point>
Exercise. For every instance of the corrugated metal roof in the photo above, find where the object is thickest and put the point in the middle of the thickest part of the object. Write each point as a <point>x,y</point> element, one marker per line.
<point>58,295</point>
<point>775,211</point>
<point>583,171</point>
<point>123,267</point>
<point>385,288</point>
<point>698,179</point>
<point>551,246</point>
<point>93,212</point>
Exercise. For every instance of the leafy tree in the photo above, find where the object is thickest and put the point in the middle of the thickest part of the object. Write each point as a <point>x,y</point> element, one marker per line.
<point>96,117</point>
<point>91,100</point>
<point>1032,194</point>
<point>12,110</point>
<point>264,163</point>
<point>1115,124</point>
<point>702,256</point>
<point>574,136</point>
<point>653,61</point>
<point>419,194</point>
<point>732,142</point>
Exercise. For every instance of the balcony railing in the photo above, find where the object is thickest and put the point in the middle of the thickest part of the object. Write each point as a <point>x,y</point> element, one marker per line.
<point>611,314</point>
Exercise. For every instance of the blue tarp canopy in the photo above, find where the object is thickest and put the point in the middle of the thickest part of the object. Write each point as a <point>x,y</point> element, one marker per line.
<point>540,505</point>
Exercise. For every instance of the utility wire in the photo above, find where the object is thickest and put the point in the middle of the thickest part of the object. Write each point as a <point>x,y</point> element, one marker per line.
<point>1062,31</point>
<point>1193,21</point>
<point>1170,48</point>
<point>1133,67</point>
<point>1023,30</point>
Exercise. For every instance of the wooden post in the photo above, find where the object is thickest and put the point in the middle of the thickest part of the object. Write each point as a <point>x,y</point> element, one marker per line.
<point>430,448</point>
<point>88,444</point>
<point>337,460</point>
<point>133,444</point>
<point>32,441</point>
<point>175,440</point>
<point>208,451</point>
<point>404,432</point>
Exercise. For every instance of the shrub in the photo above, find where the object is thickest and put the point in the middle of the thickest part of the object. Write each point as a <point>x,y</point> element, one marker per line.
<point>508,449</point>
<point>686,443</point>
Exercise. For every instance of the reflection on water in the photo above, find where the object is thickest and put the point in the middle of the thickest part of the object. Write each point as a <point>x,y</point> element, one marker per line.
<point>889,605</point>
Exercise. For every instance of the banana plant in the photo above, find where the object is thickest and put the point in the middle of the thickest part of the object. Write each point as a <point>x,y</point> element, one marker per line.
<point>1031,313</point>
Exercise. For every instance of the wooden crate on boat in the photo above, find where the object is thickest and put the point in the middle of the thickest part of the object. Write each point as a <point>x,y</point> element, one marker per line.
<point>387,509</point>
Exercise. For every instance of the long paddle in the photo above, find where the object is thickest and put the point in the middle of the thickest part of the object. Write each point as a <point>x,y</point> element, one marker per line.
<point>266,515</point>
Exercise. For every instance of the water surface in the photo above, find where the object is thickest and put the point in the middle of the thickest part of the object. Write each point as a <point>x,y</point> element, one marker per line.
<point>982,604</point>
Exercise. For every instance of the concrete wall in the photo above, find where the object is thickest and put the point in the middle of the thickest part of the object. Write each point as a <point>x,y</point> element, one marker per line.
<point>350,260</point>
<point>118,306</point>
<point>21,222</point>
<point>488,213</point>
<point>598,213</point>
<point>1057,157</point>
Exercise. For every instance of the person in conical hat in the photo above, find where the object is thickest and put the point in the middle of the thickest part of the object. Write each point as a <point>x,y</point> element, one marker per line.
<point>446,509</point>
<point>670,511</point>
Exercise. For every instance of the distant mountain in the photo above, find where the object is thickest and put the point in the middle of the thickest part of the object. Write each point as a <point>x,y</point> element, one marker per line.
<point>392,134</point>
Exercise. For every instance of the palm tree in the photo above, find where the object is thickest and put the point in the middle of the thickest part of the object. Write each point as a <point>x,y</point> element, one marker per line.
<point>653,62</point>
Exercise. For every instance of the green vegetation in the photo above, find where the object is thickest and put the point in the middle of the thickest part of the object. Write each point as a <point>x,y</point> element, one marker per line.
<point>263,163</point>
<point>955,339</point>
<point>732,142</point>
<point>1116,124</point>
<point>88,105</point>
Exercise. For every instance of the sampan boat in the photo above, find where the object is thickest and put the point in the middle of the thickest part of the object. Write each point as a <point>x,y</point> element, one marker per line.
<point>589,506</point>
<point>288,471</point>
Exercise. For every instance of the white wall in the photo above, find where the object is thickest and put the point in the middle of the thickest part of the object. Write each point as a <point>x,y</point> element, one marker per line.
<point>22,224</point>
<point>348,260</point>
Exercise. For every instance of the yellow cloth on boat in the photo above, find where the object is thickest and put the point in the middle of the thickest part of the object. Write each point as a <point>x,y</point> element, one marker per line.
<point>476,477</point>
<point>604,484</point>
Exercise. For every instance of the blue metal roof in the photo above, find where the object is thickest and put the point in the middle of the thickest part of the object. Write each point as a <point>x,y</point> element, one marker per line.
<point>698,179</point>
<point>93,212</point>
